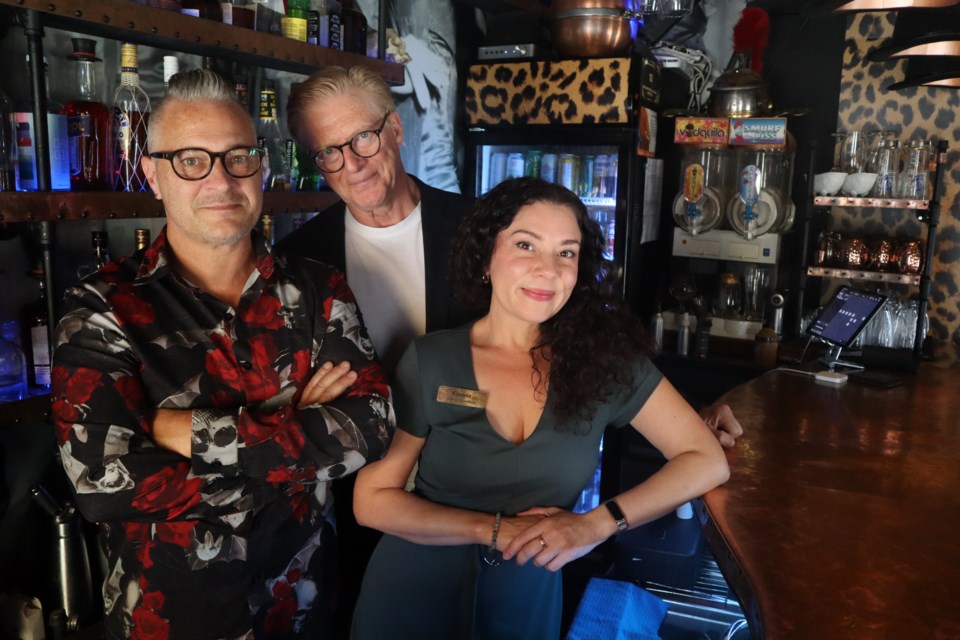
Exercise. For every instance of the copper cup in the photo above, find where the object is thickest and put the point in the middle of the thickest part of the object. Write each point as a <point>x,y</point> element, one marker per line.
<point>911,257</point>
<point>856,254</point>
<point>883,255</point>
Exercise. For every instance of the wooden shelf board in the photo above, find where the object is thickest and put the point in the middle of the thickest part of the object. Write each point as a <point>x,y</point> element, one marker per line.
<point>55,206</point>
<point>130,22</point>
<point>868,276</point>
<point>882,203</point>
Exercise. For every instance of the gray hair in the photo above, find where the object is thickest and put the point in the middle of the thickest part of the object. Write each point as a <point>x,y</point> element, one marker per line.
<point>191,86</point>
<point>331,82</point>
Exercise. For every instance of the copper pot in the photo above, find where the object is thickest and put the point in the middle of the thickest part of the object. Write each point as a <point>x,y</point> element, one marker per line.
<point>586,28</point>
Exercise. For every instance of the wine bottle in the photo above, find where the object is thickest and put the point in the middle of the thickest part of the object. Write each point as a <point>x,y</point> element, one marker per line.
<point>99,254</point>
<point>171,67</point>
<point>294,24</point>
<point>208,9</point>
<point>354,28</point>
<point>36,326</point>
<point>88,124</point>
<point>131,108</point>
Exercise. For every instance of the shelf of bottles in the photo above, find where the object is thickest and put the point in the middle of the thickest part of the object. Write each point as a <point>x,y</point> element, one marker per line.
<point>864,276</point>
<point>131,22</point>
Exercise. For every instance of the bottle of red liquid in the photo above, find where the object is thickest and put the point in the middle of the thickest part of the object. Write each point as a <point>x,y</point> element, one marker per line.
<point>89,123</point>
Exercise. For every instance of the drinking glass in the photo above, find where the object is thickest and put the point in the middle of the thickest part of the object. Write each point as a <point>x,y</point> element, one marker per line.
<point>756,282</point>
<point>885,162</point>
<point>914,178</point>
<point>729,299</point>
<point>675,8</point>
<point>648,6</point>
<point>683,288</point>
<point>850,152</point>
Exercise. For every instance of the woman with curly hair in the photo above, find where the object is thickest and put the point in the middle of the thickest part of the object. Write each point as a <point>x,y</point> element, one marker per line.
<point>505,418</point>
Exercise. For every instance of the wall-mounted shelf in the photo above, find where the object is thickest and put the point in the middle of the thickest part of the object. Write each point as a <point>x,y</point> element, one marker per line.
<point>882,203</point>
<point>58,206</point>
<point>866,276</point>
<point>130,22</point>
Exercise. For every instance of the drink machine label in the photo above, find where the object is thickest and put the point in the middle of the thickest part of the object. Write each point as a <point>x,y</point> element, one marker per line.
<point>758,131</point>
<point>712,131</point>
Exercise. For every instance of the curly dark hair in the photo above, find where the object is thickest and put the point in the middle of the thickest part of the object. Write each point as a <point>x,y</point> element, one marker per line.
<point>592,344</point>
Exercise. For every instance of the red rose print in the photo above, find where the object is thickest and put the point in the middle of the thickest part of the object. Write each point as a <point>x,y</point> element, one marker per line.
<point>177,533</point>
<point>300,368</point>
<point>168,489</point>
<point>341,290</point>
<point>255,428</point>
<point>147,625</point>
<point>298,506</point>
<point>152,600</point>
<point>131,390</point>
<point>81,385</point>
<point>262,381</point>
<point>370,379</point>
<point>143,553</point>
<point>279,618</point>
<point>221,363</point>
<point>129,308</point>
<point>264,313</point>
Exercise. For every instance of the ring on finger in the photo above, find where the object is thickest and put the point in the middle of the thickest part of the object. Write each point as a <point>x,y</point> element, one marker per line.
<point>543,543</point>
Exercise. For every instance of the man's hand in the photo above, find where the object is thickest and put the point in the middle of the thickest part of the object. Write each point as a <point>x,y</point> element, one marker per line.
<point>327,384</point>
<point>720,419</point>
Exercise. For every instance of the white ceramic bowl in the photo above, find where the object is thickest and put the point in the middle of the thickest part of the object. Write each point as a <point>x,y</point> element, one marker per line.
<point>859,184</point>
<point>827,184</point>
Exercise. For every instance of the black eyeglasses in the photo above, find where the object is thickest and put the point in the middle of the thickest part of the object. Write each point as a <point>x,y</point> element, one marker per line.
<point>365,144</point>
<point>196,164</point>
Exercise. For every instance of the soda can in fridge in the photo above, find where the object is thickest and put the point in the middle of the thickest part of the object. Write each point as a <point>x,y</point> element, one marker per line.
<point>600,174</point>
<point>568,173</point>
<point>612,175</point>
<point>498,169</point>
<point>514,166</point>
<point>548,167</point>
<point>586,177</point>
<point>531,163</point>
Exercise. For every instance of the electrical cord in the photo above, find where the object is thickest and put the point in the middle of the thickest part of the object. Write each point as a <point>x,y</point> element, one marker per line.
<point>734,628</point>
<point>701,70</point>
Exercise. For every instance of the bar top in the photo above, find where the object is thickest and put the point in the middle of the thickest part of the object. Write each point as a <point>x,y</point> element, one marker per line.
<point>841,518</point>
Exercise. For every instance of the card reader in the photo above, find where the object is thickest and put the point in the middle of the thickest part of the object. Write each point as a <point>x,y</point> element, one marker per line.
<point>833,377</point>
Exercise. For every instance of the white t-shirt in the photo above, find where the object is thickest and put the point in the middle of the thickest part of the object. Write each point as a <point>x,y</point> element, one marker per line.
<point>385,270</point>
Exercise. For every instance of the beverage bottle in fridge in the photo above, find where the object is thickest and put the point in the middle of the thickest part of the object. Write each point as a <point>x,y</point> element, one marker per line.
<point>131,108</point>
<point>13,364</point>
<point>548,167</point>
<point>209,9</point>
<point>89,124</point>
<point>276,172</point>
<point>514,166</point>
<point>600,183</point>
<point>568,173</point>
<point>36,327</point>
<point>294,24</point>
<point>25,140</point>
<point>8,149</point>
<point>611,189</point>
<point>498,170</point>
<point>531,163</point>
<point>586,177</point>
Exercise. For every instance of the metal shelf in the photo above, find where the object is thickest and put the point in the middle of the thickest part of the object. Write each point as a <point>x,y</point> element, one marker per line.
<point>129,22</point>
<point>57,206</point>
<point>882,203</point>
<point>870,276</point>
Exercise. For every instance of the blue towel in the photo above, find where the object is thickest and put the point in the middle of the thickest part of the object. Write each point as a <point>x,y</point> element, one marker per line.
<point>617,610</point>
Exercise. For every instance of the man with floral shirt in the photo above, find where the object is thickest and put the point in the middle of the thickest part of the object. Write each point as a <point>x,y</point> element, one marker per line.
<point>190,393</point>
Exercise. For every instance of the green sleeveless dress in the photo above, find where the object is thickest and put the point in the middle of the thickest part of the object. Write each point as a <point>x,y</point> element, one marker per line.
<point>419,592</point>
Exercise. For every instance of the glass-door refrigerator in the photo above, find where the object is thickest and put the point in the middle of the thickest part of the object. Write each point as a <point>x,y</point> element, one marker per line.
<point>585,126</point>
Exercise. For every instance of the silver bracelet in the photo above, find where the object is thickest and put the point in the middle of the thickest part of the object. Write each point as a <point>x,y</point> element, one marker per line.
<point>490,555</point>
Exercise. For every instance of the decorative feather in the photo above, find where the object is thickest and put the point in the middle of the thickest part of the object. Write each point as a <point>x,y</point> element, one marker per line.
<point>750,36</point>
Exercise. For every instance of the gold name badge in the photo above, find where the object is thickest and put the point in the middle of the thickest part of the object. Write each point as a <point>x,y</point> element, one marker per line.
<point>462,397</point>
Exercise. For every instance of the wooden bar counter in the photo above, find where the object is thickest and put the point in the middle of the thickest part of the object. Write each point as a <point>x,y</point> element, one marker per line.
<point>841,519</point>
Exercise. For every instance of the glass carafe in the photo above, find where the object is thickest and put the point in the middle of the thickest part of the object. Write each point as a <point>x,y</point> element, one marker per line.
<point>885,161</point>
<point>914,179</point>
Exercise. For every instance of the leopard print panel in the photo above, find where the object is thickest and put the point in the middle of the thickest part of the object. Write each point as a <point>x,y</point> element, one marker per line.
<point>917,112</point>
<point>585,91</point>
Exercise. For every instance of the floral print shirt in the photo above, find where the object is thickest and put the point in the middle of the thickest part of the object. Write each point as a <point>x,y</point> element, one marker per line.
<point>237,540</point>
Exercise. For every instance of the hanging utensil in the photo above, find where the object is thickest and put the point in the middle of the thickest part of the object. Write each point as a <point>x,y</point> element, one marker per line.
<point>750,195</point>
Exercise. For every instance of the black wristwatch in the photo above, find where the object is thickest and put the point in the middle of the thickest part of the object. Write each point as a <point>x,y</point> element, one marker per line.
<point>619,518</point>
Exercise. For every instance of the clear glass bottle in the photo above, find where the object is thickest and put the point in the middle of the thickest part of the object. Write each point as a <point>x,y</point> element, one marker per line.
<point>36,327</point>
<point>13,364</point>
<point>99,253</point>
<point>354,28</point>
<point>141,239</point>
<point>89,124</point>
<point>276,174</point>
<point>171,67</point>
<point>26,140</point>
<point>131,109</point>
<point>269,13</point>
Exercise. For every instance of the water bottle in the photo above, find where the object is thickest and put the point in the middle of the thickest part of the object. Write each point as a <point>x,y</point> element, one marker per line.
<point>656,330</point>
<point>683,335</point>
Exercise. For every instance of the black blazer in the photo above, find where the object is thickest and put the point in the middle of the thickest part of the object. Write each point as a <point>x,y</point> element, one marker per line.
<point>322,238</point>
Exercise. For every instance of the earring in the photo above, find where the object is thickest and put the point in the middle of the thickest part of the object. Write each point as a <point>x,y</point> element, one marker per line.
<point>485,278</point>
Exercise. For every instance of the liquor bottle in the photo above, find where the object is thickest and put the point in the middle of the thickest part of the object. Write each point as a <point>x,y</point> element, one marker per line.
<point>141,239</point>
<point>209,9</point>
<point>36,327</point>
<point>244,13</point>
<point>242,90</point>
<point>171,67</point>
<point>131,108</point>
<point>26,140</point>
<point>294,24</point>
<point>99,254</point>
<point>88,124</point>
<point>354,28</point>
<point>269,13</point>
<point>276,174</point>
<point>13,364</point>
<point>331,24</point>
<point>266,227</point>
<point>8,150</point>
